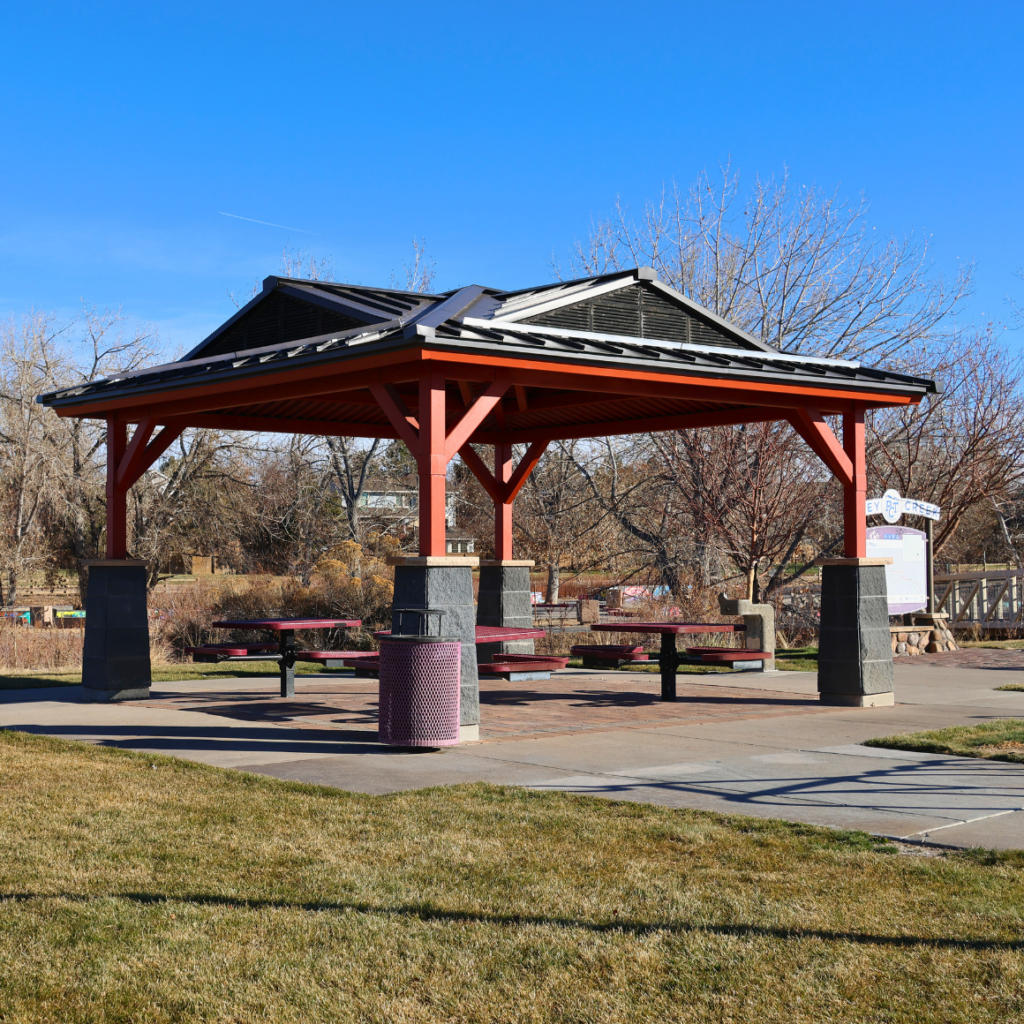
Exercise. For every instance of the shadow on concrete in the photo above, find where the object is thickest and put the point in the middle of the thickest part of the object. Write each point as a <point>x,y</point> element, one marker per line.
<point>616,924</point>
<point>634,699</point>
<point>239,739</point>
<point>913,788</point>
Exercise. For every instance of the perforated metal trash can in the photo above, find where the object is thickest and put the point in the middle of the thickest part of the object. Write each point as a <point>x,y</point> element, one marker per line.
<point>420,678</point>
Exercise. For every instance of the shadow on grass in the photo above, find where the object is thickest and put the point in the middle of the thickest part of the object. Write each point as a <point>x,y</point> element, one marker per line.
<point>428,913</point>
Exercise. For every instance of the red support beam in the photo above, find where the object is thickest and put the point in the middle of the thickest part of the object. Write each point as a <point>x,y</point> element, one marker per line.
<point>814,429</point>
<point>117,496</point>
<point>503,485</point>
<point>472,418</point>
<point>524,469</point>
<point>128,469</point>
<point>432,463</point>
<point>479,469</point>
<point>503,509</point>
<point>126,462</point>
<point>855,492</point>
<point>393,405</point>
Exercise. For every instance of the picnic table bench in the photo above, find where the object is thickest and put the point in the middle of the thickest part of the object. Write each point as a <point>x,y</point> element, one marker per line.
<point>283,651</point>
<point>514,667</point>
<point>670,659</point>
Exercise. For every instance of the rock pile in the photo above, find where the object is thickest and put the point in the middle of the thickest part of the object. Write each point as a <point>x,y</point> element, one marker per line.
<point>922,639</point>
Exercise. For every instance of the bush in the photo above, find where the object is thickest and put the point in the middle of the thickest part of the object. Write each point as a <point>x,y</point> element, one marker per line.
<point>346,583</point>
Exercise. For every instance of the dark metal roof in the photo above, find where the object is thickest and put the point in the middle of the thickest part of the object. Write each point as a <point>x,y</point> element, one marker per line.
<point>472,336</point>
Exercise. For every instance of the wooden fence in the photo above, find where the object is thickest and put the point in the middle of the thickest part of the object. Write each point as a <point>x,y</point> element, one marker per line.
<point>993,599</point>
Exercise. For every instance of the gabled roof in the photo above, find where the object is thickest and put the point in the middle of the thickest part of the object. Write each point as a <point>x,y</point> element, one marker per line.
<point>631,303</point>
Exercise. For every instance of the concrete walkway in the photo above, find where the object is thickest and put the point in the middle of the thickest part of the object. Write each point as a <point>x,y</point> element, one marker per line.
<point>737,743</point>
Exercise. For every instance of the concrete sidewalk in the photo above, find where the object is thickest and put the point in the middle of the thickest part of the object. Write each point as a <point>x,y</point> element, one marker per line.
<point>735,743</point>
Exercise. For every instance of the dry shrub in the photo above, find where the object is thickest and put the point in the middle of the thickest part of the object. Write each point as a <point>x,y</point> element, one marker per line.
<point>22,647</point>
<point>346,583</point>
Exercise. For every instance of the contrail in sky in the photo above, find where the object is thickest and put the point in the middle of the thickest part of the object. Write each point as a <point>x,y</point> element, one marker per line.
<point>266,222</point>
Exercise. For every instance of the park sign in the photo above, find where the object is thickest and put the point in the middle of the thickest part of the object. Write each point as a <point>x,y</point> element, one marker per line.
<point>906,575</point>
<point>890,506</point>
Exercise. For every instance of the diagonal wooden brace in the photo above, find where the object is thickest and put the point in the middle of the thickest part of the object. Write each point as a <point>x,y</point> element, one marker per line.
<point>814,429</point>
<point>501,492</point>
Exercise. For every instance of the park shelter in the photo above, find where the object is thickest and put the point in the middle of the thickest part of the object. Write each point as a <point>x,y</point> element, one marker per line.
<point>620,353</point>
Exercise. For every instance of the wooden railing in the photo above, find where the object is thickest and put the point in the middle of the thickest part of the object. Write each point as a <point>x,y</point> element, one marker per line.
<point>993,599</point>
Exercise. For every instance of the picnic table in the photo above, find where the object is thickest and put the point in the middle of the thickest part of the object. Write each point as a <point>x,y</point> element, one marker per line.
<point>669,657</point>
<point>514,667</point>
<point>286,654</point>
<point>492,634</point>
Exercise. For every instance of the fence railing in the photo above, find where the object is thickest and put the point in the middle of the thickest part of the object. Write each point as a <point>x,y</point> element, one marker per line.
<point>993,599</point>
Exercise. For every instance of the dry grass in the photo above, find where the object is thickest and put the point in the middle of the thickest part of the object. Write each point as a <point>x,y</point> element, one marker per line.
<point>141,888</point>
<point>22,647</point>
<point>1002,740</point>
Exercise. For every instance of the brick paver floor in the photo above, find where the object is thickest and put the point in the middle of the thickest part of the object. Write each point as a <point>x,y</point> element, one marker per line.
<point>564,705</point>
<point>967,657</point>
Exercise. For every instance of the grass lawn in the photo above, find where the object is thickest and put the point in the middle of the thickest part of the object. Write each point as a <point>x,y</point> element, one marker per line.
<point>143,888</point>
<point>1002,740</point>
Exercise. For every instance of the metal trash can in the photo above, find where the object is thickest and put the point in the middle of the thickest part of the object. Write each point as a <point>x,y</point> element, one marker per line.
<point>420,676</point>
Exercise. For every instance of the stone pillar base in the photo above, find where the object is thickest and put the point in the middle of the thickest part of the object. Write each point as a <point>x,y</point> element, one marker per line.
<point>504,600</point>
<point>445,583</point>
<point>94,696</point>
<point>115,659</point>
<point>854,649</point>
<point>862,700</point>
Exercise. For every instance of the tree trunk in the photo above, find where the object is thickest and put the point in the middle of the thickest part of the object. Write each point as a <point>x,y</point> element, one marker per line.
<point>554,574</point>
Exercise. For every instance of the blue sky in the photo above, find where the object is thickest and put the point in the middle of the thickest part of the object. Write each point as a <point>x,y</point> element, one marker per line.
<point>495,132</point>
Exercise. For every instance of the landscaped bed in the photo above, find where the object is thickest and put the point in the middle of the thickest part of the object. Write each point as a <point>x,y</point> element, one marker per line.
<point>145,888</point>
<point>1002,740</point>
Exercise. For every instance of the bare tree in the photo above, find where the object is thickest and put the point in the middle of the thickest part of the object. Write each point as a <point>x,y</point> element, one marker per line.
<point>557,518</point>
<point>798,268</point>
<point>349,466</point>
<point>963,447</point>
<point>801,270</point>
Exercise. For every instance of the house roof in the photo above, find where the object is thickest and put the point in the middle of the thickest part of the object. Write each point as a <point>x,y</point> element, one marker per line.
<point>598,352</point>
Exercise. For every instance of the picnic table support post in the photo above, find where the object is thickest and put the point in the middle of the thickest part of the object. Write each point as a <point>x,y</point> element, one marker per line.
<point>287,651</point>
<point>854,647</point>
<point>669,662</point>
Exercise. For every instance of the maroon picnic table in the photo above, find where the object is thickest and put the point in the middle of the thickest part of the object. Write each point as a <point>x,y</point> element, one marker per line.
<point>492,634</point>
<point>669,656</point>
<point>286,630</point>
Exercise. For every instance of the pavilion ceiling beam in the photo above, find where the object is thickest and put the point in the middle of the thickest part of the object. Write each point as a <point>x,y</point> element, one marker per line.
<point>643,425</point>
<point>282,425</point>
<point>812,426</point>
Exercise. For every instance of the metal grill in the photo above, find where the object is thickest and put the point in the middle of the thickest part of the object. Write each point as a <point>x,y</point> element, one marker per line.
<point>419,693</point>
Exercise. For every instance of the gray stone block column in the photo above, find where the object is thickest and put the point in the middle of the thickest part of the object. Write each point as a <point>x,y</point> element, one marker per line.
<point>445,582</point>
<point>115,661</point>
<point>854,649</point>
<point>760,632</point>
<point>504,600</point>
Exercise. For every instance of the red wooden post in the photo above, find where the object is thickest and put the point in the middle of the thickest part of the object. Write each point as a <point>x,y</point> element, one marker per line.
<point>503,511</point>
<point>117,497</point>
<point>432,464</point>
<point>855,493</point>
